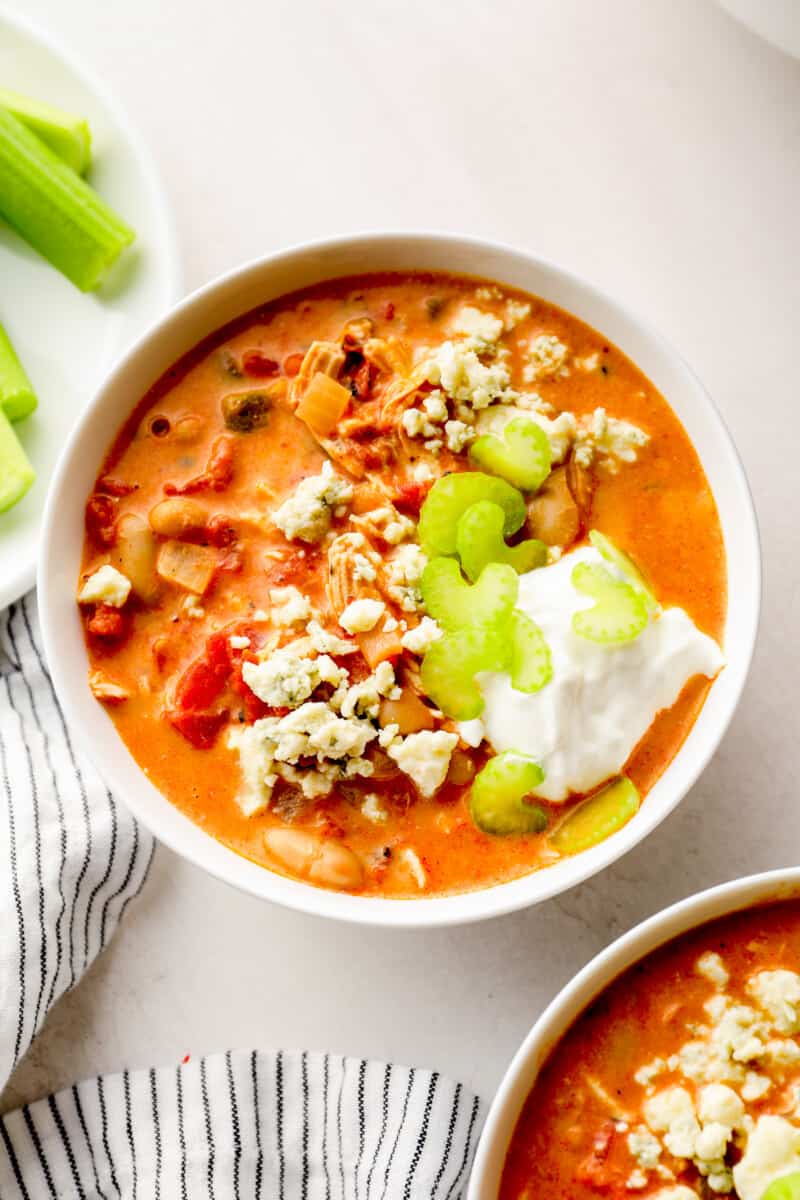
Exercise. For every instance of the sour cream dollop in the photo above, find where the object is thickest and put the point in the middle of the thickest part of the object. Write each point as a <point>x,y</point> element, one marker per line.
<point>583,725</point>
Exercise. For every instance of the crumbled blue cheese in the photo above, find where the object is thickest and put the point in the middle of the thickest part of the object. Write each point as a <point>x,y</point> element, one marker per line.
<point>778,993</point>
<point>560,430</point>
<point>457,369</point>
<point>373,810</point>
<point>420,639</point>
<point>106,585</point>
<point>609,440</point>
<point>712,968</point>
<point>390,524</point>
<point>328,643</point>
<point>644,1147</point>
<point>273,746</point>
<point>425,757</point>
<point>458,435</point>
<point>773,1150</point>
<point>363,568</point>
<point>546,358</point>
<point>403,574</point>
<point>362,615</point>
<point>363,699</point>
<point>289,606</point>
<point>285,679</point>
<point>306,514</point>
<point>475,323</point>
<point>238,642</point>
<point>515,312</point>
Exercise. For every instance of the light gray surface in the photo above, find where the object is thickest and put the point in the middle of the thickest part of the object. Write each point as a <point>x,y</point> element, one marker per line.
<point>653,147</point>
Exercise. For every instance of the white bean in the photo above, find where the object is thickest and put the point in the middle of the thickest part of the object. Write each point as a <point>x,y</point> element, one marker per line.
<point>311,856</point>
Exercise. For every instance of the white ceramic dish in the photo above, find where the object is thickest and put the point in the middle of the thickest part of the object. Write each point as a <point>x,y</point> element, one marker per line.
<point>596,975</point>
<point>255,284</point>
<point>69,341</point>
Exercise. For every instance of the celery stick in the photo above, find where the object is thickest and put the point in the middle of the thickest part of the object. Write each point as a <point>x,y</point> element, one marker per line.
<point>16,473</point>
<point>17,397</point>
<point>54,210</point>
<point>67,136</point>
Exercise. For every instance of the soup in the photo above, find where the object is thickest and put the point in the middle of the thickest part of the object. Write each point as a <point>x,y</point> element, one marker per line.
<point>681,1080</point>
<point>359,588</point>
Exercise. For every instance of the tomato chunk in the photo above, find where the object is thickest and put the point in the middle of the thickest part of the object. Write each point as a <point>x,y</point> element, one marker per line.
<point>201,729</point>
<point>217,475</point>
<point>107,622</point>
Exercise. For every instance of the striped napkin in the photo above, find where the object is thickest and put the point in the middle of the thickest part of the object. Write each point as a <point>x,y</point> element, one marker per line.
<point>282,1126</point>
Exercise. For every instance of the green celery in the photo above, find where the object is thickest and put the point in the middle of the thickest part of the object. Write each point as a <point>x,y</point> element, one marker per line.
<point>54,210</point>
<point>16,472</point>
<point>67,135</point>
<point>17,397</point>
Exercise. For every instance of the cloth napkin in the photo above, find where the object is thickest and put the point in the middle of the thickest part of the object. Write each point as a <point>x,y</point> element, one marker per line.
<point>244,1124</point>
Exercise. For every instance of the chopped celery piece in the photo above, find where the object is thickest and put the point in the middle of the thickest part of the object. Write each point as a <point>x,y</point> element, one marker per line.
<point>619,614</point>
<point>620,560</point>
<point>452,495</point>
<point>456,604</point>
<point>16,473</point>
<point>479,540</point>
<point>67,136</point>
<point>449,668</point>
<point>786,1187</point>
<point>597,818</point>
<point>54,210</point>
<point>521,455</point>
<point>497,801</point>
<point>530,664</point>
<point>17,397</point>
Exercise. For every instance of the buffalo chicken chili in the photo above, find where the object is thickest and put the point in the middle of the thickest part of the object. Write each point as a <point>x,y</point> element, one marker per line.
<point>403,585</point>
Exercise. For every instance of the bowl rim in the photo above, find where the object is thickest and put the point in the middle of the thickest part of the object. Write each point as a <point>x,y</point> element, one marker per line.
<point>459,908</point>
<point>664,926</point>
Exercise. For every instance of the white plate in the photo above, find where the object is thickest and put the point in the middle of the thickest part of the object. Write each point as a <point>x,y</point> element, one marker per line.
<point>68,341</point>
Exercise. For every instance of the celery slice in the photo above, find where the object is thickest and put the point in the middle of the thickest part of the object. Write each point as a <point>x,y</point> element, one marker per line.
<point>479,540</point>
<point>786,1187</point>
<point>497,801</point>
<point>456,604</point>
<point>452,495</point>
<point>17,397</point>
<point>620,560</point>
<point>597,818</point>
<point>67,135</point>
<point>619,614</point>
<point>449,668</point>
<point>530,664</point>
<point>16,472</point>
<point>54,210</point>
<point>522,455</point>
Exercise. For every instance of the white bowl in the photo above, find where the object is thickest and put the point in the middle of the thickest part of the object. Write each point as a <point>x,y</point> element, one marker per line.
<point>245,288</point>
<point>572,1000</point>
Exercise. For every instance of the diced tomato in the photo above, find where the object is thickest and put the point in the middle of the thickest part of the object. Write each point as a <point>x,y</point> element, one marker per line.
<point>219,531</point>
<point>255,362</point>
<point>409,496</point>
<point>201,729</point>
<point>107,622</point>
<point>293,363</point>
<point>100,516</point>
<point>217,475</point>
<point>286,569</point>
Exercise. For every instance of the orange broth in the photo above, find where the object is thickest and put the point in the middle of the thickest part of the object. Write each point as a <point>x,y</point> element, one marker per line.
<point>660,509</point>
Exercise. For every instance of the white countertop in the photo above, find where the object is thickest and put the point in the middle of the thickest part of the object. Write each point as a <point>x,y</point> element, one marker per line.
<point>653,147</point>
